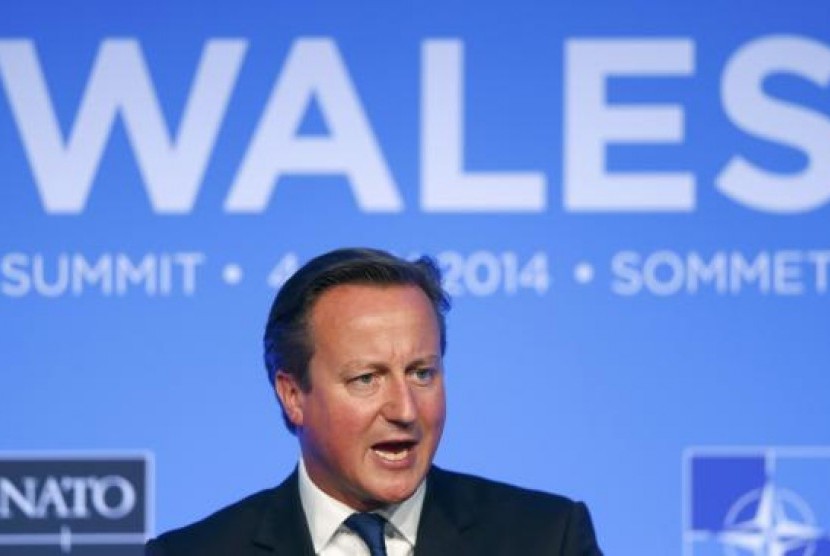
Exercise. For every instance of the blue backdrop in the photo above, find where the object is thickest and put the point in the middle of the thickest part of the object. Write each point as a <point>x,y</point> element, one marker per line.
<point>630,202</point>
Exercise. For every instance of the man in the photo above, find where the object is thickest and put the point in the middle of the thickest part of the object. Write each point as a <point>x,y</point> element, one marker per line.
<point>353,347</point>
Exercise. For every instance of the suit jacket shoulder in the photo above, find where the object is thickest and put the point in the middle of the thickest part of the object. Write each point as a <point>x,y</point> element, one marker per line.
<point>479,516</point>
<point>268,522</point>
<point>462,515</point>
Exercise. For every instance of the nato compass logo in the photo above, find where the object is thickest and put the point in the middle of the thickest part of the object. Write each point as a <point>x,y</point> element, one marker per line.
<point>756,502</point>
<point>80,504</point>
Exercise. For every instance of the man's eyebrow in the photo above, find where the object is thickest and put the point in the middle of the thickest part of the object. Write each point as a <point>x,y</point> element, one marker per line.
<point>358,364</point>
<point>430,360</point>
<point>355,364</point>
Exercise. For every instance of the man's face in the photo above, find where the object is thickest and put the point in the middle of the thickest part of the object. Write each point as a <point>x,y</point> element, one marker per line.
<point>371,422</point>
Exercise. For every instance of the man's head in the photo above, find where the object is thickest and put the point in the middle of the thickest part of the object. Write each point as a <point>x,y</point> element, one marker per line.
<point>354,347</point>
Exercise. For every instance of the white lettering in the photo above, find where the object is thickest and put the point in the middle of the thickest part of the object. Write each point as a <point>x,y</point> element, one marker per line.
<point>744,271</point>
<point>25,501</point>
<point>172,160</point>
<point>821,259</point>
<point>314,69</point>
<point>157,274</point>
<point>39,279</point>
<point>111,496</point>
<point>628,280</point>
<point>15,281</point>
<point>51,495</point>
<point>591,124</point>
<point>78,488</point>
<point>119,83</point>
<point>663,273</point>
<point>787,273</point>
<point>126,496</point>
<point>84,274</point>
<point>752,110</point>
<point>445,186</point>
<point>700,272</point>
<point>188,263</point>
<point>127,273</point>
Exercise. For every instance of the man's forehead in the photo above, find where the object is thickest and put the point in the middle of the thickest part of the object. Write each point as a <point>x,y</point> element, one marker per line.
<point>355,310</point>
<point>360,294</point>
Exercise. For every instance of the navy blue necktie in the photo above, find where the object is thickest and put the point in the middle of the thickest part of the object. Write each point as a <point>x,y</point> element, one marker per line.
<point>370,528</point>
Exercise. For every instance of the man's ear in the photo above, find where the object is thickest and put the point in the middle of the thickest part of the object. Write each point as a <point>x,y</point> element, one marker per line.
<point>291,396</point>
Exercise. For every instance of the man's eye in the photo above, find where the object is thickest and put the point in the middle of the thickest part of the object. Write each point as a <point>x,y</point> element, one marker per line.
<point>364,381</point>
<point>424,376</point>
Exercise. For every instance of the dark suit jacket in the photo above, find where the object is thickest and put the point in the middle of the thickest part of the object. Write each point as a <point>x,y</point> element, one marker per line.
<point>462,515</point>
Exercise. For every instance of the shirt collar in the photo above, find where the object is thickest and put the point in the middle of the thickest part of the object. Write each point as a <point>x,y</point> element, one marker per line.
<point>325,515</point>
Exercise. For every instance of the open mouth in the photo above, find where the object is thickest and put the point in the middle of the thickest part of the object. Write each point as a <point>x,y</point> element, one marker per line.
<point>393,451</point>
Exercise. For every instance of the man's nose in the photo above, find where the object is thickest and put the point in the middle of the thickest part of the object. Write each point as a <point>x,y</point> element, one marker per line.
<point>399,406</point>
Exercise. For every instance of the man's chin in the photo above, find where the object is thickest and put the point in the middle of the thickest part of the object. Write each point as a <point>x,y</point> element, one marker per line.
<point>388,494</point>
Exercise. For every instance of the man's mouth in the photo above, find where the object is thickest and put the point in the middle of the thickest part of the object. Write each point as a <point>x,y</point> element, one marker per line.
<point>393,451</point>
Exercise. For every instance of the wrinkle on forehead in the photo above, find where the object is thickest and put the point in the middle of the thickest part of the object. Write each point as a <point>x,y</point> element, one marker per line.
<point>360,312</point>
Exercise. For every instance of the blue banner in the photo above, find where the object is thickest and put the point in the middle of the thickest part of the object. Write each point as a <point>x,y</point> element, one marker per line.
<point>629,202</point>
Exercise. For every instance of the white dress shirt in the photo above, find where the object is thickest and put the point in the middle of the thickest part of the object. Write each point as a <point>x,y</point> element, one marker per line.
<point>330,537</point>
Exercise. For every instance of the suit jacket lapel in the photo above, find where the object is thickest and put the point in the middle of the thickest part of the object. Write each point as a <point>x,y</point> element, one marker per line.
<point>444,518</point>
<point>283,529</point>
